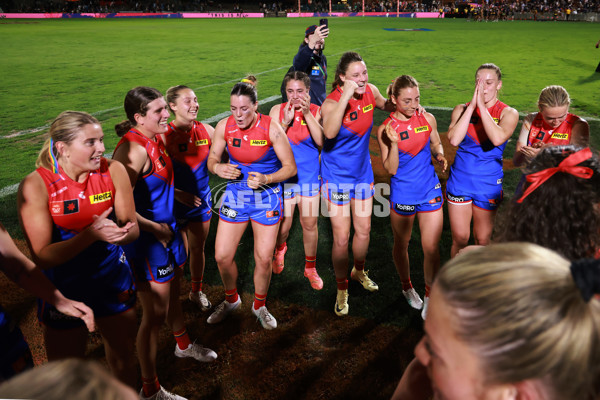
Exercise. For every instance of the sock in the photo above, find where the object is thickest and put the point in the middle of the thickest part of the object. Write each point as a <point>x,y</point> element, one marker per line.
<point>259,300</point>
<point>406,285</point>
<point>150,386</point>
<point>182,339</point>
<point>427,289</point>
<point>359,265</point>
<point>342,284</point>
<point>279,248</point>
<point>231,295</point>
<point>310,262</point>
<point>196,285</point>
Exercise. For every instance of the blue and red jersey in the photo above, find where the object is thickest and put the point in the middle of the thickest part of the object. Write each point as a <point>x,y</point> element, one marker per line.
<point>345,159</point>
<point>540,131</point>
<point>477,167</point>
<point>415,177</point>
<point>306,151</point>
<point>100,268</point>
<point>189,152</point>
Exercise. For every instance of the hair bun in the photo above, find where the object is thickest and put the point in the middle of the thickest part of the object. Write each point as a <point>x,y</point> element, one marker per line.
<point>586,274</point>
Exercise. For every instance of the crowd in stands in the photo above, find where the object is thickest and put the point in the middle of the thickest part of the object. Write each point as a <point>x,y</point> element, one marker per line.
<point>501,9</point>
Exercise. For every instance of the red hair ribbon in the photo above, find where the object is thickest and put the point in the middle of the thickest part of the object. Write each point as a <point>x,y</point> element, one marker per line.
<point>568,166</point>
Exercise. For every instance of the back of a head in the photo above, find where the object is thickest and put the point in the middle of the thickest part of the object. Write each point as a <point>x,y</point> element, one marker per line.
<point>562,213</point>
<point>246,87</point>
<point>518,307</point>
<point>73,379</point>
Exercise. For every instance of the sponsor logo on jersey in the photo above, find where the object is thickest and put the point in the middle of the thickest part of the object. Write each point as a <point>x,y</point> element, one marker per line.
<point>403,135</point>
<point>228,212</point>
<point>540,135</point>
<point>422,129</point>
<point>496,120</point>
<point>202,142</point>
<point>367,108</point>
<point>499,181</point>
<point>353,116</point>
<point>340,196</point>
<point>303,122</point>
<point>271,214</point>
<point>164,271</point>
<point>100,197</point>
<point>439,185</point>
<point>559,136</point>
<point>255,142</point>
<point>456,199</point>
<point>70,206</point>
<point>404,207</point>
<point>160,163</point>
<point>236,142</point>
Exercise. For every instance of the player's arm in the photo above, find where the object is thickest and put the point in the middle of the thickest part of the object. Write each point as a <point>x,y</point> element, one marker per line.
<point>124,204</point>
<point>523,152</point>
<point>580,133</point>
<point>500,132</point>
<point>459,124</point>
<point>223,169</point>
<point>333,111</point>
<point>381,102</point>
<point>387,138</point>
<point>24,273</point>
<point>135,159</point>
<point>284,153</point>
<point>314,127</point>
<point>435,143</point>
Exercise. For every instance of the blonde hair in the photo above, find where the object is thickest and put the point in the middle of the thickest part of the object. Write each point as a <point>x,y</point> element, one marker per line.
<point>172,95</point>
<point>517,306</point>
<point>64,128</point>
<point>553,96</point>
<point>74,379</point>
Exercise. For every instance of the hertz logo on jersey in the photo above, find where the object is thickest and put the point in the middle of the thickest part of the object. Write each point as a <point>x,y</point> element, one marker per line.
<point>559,136</point>
<point>421,129</point>
<point>100,197</point>
<point>202,142</point>
<point>496,120</point>
<point>303,122</point>
<point>368,108</point>
<point>255,142</point>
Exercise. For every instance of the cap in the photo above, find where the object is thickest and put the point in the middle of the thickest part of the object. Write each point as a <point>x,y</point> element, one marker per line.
<point>310,30</point>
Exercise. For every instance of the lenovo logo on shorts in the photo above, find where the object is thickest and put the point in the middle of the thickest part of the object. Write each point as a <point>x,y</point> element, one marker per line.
<point>340,196</point>
<point>228,212</point>
<point>164,271</point>
<point>456,199</point>
<point>404,207</point>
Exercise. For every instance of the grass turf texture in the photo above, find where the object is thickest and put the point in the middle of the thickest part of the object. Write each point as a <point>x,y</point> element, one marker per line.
<point>53,65</point>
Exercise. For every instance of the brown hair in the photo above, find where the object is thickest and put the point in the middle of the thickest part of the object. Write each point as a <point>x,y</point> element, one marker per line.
<point>136,102</point>
<point>247,87</point>
<point>345,61</point>
<point>296,76</point>
<point>401,82</point>
<point>172,95</point>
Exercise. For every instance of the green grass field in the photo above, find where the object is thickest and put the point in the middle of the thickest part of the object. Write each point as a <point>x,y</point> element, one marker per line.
<point>52,65</point>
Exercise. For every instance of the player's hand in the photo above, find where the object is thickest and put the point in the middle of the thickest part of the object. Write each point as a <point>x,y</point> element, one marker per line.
<point>227,170</point>
<point>256,179</point>
<point>107,230</point>
<point>391,133</point>
<point>480,95</point>
<point>163,233</point>
<point>349,88</point>
<point>187,198</point>
<point>305,104</point>
<point>473,103</point>
<point>288,115</point>
<point>442,161</point>
<point>78,310</point>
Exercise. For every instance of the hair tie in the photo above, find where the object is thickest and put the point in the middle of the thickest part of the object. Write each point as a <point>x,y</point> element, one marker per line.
<point>586,274</point>
<point>53,157</point>
<point>247,81</point>
<point>568,165</point>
